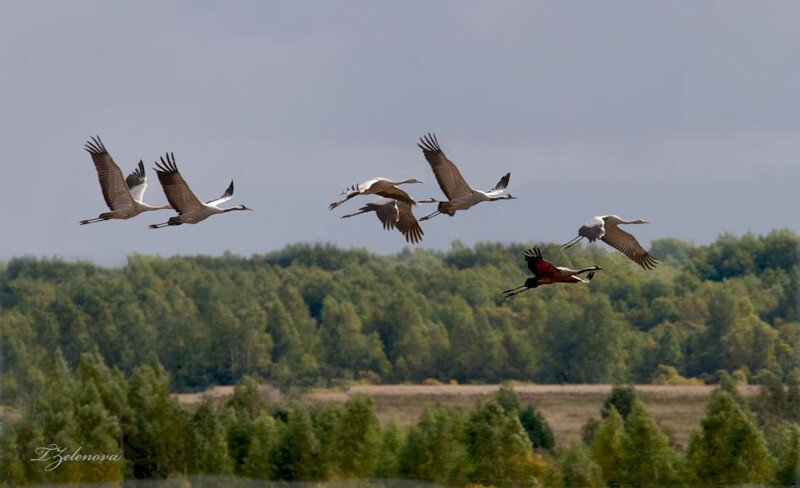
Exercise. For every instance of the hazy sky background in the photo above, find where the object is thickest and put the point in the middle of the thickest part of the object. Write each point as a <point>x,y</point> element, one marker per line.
<point>683,113</point>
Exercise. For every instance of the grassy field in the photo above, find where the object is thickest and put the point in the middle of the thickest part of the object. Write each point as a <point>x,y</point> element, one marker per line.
<point>678,409</point>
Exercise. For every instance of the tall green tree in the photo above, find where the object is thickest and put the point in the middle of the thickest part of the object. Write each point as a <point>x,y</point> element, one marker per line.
<point>12,471</point>
<point>211,442</point>
<point>578,470</point>
<point>539,431</point>
<point>158,440</point>
<point>498,449</point>
<point>787,467</point>
<point>260,459</point>
<point>434,449</point>
<point>390,451</point>
<point>298,447</point>
<point>608,447</point>
<point>729,449</point>
<point>647,456</point>
<point>356,439</point>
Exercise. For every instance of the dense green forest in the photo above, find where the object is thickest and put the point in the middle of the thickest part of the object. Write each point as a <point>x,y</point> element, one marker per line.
<point>313,314</point>
<point>498,442</point>
<point>91,354</point>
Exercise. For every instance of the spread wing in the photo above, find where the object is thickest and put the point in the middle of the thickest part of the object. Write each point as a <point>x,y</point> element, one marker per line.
<point>178,193</point>
<point>394,214</point>
<point>537,264</point>
<point>386,210</point>
<point>407,224</point>
<point>112,182</point>
<point>224,198</point>
<point>629,246</point>
<point>396,194</point>
<point>137,182</point>
<point>500,187</point>
<point>450,180</point>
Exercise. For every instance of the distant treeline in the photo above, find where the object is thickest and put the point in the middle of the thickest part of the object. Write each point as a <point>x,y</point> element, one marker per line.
<point>498,442</point>
<point>313,314</point>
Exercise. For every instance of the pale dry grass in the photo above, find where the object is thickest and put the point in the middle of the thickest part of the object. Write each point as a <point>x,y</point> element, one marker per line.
<point>678,409</point>
<point>215,393</point>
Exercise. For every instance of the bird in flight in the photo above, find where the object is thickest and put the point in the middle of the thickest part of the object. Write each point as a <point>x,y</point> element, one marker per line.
<point>378,186</point>
<point>122,195</point>
<point>394,214</point>
<point>606,228</point>
<point>460,196</point>
<point>190,209</point>
<point>545,273</point>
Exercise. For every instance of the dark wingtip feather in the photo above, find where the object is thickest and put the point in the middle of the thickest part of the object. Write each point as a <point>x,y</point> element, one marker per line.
<point>229,191</point>
<point>429,142</point>
<point>95,146</point>
<point>503,183</point>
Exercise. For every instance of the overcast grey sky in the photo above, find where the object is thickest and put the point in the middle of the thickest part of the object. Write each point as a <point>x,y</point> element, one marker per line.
<point>684,113</point>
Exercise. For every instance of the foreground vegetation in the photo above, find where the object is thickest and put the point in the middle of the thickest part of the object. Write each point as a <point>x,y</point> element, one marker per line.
<point>314,314</point>
<point>498,442</point>
<point>567,408</point>
<point>91,355</point>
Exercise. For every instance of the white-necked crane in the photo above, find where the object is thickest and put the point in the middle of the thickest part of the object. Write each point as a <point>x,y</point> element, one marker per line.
<point>606,228</point>
<point>459,194</point>
<point>122,195</point>
<point>378,186</point>
<point>394,214</point>
<point>190,209</point>
<point>545,273</point>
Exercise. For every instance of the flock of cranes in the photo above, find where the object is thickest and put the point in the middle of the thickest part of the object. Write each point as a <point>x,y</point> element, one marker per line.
<point>124,197</point>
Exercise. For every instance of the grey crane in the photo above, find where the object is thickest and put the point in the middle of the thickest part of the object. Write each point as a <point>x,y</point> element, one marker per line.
<point>460,196</point>
<point>606,228</point>
<point>122,195</point>
<point>190,209</point>
<point>394,214</point>
<point>378,186</point>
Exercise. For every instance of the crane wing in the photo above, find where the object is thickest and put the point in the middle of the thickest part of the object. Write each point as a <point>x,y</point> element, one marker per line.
<point>224,198</point>
<point>407,224</point>
<point>386,210</point>
<point>395,214</point>
<point>178,193</point>
<point>396,194</point>
<point>537,264</point>
<point>629,246</point>
<point>447,175</point>
<point>112,182</point>
<point>137,182</point>
<point>500,187</point>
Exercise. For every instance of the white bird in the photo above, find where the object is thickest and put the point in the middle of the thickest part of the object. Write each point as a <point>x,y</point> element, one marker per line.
<point>190,209</point>
<point>606,228</point>
<point>459,194</point>
<point>378,186</point>
<point>122,195</point>
<point>394,214</point>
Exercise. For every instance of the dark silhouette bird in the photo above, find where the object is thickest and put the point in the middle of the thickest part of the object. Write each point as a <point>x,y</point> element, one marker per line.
<point>190,209</point>
<point>122,195</point>
<point>606,228</point>
<point>378,186</point>
<point>545,273</point>
<point>394,214</point>
<point>460,196</point>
